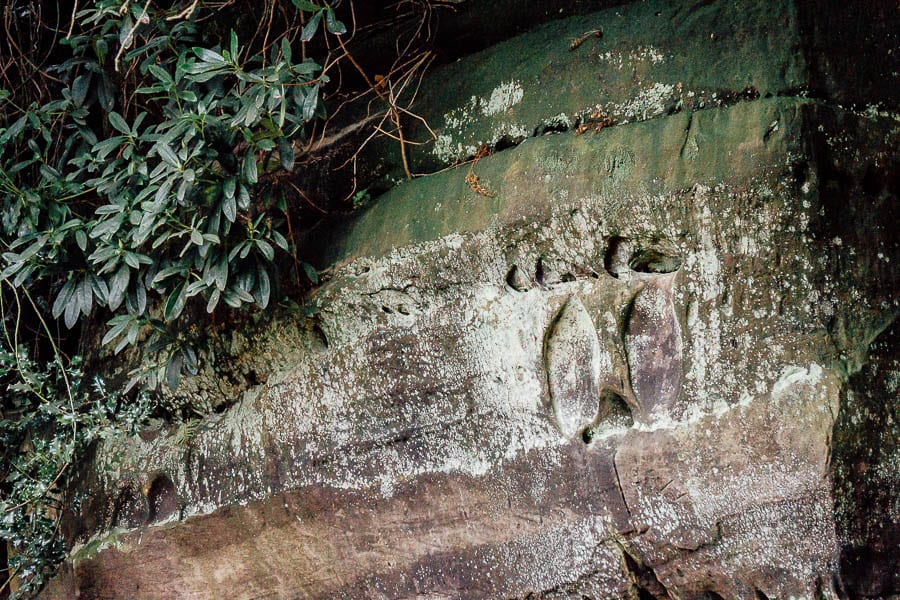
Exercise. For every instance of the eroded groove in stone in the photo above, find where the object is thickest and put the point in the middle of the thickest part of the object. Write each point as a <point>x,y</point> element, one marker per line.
<point>653,343</point>
<point>574,362</point>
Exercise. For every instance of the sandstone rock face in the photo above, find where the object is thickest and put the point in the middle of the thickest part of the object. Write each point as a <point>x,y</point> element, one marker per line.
<point>654,359</point>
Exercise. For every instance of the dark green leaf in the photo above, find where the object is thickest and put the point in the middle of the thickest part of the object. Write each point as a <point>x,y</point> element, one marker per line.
<point>175,303</point>
<point>229,208</point>
<point>250,173</point>
<point>173,371</point>
<point>331,22</point>
<point>80,87</point>
<point>309,30</point>
<point>116,120</point>
<point>63,298</point>
<point>208,56</point>
<point>286,153</point>
<point>263,287</point>
<point>213,300</point>
<point>310,102</point>
<point>311,273</point>
<point>267,250</point>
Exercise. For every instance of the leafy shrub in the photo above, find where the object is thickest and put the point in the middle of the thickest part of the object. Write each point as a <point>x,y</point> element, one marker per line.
<point>135,187</point>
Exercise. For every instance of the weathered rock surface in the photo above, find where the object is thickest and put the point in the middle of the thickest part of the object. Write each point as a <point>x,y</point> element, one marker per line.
<point>657,359</point>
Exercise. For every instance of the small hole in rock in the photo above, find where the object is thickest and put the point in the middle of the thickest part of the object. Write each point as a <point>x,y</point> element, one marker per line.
<point>566,277</point>
<point>162,498</point>
<point>587,435</point>
<point>761,595</point>
<point>387,309</point>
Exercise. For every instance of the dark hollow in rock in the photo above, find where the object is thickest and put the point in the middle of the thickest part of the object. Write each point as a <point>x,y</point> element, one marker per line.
<point>624,255</point>
<point>614,410</point>
<point>162,498</point>
<point>654,260</point>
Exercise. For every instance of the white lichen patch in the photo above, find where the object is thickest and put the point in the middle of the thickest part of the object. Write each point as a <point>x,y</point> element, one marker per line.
<point>649,102</point>
<point>458,138</point>
<point>503,97</point>
<point>646,54</point>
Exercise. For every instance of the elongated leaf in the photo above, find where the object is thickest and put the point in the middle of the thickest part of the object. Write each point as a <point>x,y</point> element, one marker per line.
<point>229,208</point>
<point>310,102</point>
<point>264,287</point>
<point>207,55</point>
<point>117,326</point>
<point>309,30</point>
<point>117,287</point>
<point>213,300</point>
<point>81,239</point>
<point>279,240</point>
<point>116,120</point>
<point>72,310</point>
<point>173,371</point>
<point>63,298</point>
<point>286,153</point>
<point>331,22</point>
<point>109,209</point>
<point>85,296</point>
<point>286,50</point>
<point>175,303</point>
<point>267,250</point>
<point>250,172</point>
<point>166,153</point>
<point>80,87</point>
<point>311,273</point>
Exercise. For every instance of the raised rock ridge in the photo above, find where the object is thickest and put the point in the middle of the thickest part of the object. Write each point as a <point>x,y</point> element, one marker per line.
<point>657,359</point>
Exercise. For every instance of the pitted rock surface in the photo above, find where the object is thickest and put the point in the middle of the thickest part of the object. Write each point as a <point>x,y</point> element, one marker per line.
<point>659,360</point>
